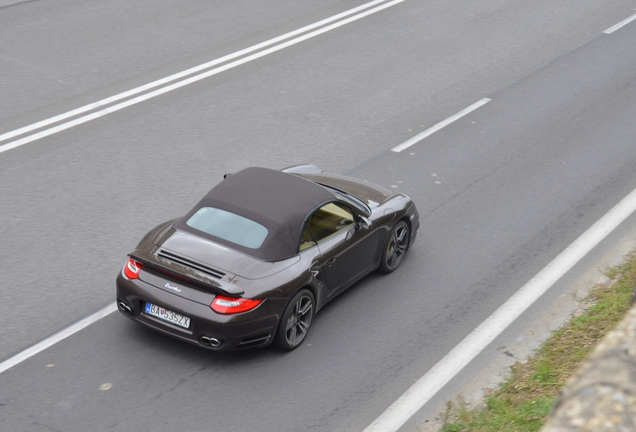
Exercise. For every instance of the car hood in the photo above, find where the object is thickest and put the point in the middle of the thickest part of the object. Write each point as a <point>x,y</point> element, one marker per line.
<point>175,249</point>
<point>372,194</point>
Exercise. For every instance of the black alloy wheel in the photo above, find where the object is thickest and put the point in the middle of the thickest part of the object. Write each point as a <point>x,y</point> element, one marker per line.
<point>295,322</point>
<point>396,246</point>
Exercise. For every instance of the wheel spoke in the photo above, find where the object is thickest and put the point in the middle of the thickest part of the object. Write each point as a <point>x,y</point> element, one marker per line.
<point>291,334</point>
<point>303,326</point>
<point>290,323</point>
<point>304,309</point>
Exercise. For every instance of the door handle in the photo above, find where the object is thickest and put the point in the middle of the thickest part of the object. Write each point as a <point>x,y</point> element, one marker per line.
<point>330,262</point>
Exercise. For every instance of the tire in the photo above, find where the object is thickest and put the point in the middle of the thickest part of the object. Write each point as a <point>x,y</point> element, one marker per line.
<point>396,246</point>
<point>294,324</point>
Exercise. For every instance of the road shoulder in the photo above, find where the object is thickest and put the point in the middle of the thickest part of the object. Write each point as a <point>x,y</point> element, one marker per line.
<point>569,304</point>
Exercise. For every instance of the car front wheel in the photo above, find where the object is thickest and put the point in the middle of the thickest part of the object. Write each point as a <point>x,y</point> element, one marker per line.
<point>395,248</point>
<point>295,322</point>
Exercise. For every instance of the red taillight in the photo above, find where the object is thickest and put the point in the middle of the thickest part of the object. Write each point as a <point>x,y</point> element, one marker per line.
<point>230,305</point>
<point>132,268</point>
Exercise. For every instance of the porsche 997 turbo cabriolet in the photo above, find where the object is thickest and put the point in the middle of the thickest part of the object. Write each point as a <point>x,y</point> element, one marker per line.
<point>260,254</point>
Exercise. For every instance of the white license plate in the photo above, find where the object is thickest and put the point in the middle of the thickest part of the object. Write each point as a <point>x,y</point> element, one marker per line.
<point>167,315</point>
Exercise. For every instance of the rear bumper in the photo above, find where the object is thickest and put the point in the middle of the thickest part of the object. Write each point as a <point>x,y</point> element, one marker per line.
<point>255,328</point>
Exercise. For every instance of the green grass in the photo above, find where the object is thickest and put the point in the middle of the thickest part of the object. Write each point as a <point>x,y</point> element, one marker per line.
<point>522,402</point>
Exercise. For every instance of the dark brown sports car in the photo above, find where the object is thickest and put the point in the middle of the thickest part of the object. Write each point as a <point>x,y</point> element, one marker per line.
<point>260,254</point>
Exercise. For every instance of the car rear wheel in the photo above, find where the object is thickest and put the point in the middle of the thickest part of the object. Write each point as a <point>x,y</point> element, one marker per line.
<point>295,322</point>
<point>395,248</point>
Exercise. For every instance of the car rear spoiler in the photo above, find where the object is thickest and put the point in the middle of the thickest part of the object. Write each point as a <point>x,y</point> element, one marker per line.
<point>188,274</point>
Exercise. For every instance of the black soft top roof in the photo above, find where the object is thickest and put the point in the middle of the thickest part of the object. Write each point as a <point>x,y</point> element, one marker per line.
<point>277,200</point>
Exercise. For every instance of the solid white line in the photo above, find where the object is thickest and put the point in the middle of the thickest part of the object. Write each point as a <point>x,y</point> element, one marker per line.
<point>440,374</point>
<point>160,82</point>
<point>419,137</point>
<point>620,24</point>
<point>61,335</point>
<point>190,80</point>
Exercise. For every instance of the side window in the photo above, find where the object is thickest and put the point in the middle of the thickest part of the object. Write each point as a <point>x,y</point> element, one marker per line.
<point>306,240</point>
<point>329,219</point>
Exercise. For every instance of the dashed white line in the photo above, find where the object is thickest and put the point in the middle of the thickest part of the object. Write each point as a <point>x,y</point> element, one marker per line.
<point>449,366</point>
<point>337,20</point>
<point>57,337</point>
<point>419,137</point>
<point>620,24</point>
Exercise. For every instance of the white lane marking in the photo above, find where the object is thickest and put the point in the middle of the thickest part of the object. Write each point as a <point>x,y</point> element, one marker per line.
<point>181,74</point>
<point>157,83</point>
<point>430,131</point>
<point>61,335</point>
<point>440,374</point>
<point>623,23</point>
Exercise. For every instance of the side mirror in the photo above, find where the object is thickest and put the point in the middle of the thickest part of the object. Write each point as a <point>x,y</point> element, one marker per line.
<point>363,223</point>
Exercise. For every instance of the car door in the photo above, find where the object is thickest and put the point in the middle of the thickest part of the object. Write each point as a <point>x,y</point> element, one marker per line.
<point>347,250</point>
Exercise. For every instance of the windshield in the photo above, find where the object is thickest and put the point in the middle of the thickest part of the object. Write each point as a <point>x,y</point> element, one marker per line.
<point>353,200</point>
<point>228,226</point>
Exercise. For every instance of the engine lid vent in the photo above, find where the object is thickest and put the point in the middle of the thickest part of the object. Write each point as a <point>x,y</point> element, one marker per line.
<point>189,263</point>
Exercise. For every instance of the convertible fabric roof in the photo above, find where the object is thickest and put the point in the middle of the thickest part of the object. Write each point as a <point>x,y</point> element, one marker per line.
<point>277,200</point>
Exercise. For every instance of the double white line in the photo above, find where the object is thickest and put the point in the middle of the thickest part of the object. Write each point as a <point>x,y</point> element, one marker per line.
<point>188,76</point>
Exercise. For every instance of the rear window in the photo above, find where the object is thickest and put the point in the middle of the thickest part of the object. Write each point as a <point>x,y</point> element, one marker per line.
<point>228,226</point>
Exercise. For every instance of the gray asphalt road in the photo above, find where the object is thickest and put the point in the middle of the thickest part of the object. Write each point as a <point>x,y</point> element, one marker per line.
<point>501,191</point>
